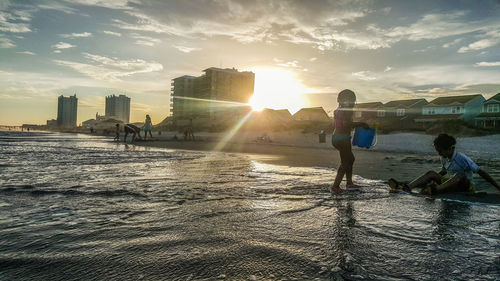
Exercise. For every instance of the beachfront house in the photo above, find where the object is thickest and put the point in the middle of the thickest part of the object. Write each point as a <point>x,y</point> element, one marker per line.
<point>489,118</point>
<point>400,114</point>
<point>317,114</point>
<point>366,112</point>
<point>455,108</point>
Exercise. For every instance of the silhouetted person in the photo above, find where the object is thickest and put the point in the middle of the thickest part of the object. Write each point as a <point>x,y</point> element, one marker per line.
<point>131,129</point>
<point>117,132</point>
<point>148,126</point>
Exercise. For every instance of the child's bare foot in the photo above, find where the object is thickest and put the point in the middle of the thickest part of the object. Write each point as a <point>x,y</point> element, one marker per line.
<point>353,187</point>
<point>336,189</point>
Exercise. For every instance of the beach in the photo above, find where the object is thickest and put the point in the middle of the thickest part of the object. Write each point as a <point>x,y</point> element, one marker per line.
<point>82,207</point>
<point>401,155</point>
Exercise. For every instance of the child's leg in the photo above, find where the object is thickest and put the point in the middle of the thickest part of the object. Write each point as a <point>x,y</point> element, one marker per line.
<point>458,183</point>
<point>425,179</point>
<point>346,158</point>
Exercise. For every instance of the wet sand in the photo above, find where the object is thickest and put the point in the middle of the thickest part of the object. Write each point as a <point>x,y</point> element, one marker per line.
<point>369,164</point>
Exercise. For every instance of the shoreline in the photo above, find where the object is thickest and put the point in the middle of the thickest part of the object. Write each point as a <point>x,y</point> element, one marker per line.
<point>384,162</point>
<point>369,164</point>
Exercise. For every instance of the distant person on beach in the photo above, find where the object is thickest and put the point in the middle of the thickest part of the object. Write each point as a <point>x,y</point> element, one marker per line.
<point>131,129</point>
<point>455,175</point>
<point>117,132</point>
<point>341,139</point>
<point>148,126</point>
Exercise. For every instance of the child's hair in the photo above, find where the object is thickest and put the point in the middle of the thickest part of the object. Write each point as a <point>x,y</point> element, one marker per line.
<point>346,95</point>
<point>444,141</point>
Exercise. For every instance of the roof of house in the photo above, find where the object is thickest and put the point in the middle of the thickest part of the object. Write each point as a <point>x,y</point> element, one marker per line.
<point>452,100</point>
<point>404,103</point>
<point>439,117</point>
<point>311,110</point>
<point>368,105</point>
<point>495,97</point>
<point>283,112</point>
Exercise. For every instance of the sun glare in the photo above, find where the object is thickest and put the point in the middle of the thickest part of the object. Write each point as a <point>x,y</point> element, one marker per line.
<point>277,89</point>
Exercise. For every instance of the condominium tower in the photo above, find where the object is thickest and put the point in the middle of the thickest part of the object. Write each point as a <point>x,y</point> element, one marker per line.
<point>218,91</point>
<point>66,111</point>
<point>118,107</point>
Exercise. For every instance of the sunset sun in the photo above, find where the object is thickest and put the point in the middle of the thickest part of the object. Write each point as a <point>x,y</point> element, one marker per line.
<point>277,89</point>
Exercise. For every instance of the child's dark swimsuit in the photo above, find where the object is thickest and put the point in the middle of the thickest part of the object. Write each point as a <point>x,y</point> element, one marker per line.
<point>338,135</point>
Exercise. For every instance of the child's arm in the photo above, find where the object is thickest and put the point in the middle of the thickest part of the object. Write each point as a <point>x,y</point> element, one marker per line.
<point>488,178</point>
<point>360,124</point>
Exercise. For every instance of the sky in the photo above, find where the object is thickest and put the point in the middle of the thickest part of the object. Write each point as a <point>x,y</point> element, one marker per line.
<point>302,52</point>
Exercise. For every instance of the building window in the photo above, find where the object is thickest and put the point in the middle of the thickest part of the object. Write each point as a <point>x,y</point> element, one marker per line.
<point>358,114</point>
<point>490,108</point>
<point>456,109</point>
<point>400,112</point>
<point>429,111</point>
<point>380,113</point>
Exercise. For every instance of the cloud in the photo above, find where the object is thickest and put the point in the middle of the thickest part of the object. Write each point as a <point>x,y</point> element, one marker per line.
<point>110,69</point>
<point>146,23</point>
<point>6,43</point>
<point>62,45</point>
<point>145,40</point>
<point>364,75</point>
<point>76,35</point>
<point>57,7</point>
<point>9,22</point>
<point>112,33</point>
<point>293,64</point>
<point>479,45</point>
<point>27,53</point>
<point>185,49</point>
<point>488,64</point>
<point>454,42</point>
<point>111,4</point>
<point>433,26</point>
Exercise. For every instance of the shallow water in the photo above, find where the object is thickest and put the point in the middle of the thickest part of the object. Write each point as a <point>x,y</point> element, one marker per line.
<point>74,207</point>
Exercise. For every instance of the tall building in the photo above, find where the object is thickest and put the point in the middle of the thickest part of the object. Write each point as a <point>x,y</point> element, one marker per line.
<point>205,96</point>
<point>66,111</point>
<point>118,107</point>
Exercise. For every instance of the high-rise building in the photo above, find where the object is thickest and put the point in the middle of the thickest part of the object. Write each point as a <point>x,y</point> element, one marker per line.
<point>66,111</point>
<point>217,92</point>
<point>118,107</point>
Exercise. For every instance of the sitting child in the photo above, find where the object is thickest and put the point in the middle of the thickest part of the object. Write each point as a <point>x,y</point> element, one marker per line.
<point>456,165</point>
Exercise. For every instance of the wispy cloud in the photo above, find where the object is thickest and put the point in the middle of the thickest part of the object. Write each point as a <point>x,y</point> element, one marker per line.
<point>6,43</point>
<point>111,69</point>
<point>27,53</point>
<point>185,49</point>
<point>488,64</point>
<point>112,33</point>
<point>63,45</point>
<point>76,35</point>
<point>10,22</point>
<point>145,40</point>
<point>112,4</point>
<point>364,75</point>
<point>490,39</point>
<point>57,7</point>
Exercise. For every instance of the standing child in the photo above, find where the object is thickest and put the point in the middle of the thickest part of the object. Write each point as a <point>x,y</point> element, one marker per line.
<point>341,139</point>
<point>117,132</point>
<point>148,126</point>
<point>457,165</point>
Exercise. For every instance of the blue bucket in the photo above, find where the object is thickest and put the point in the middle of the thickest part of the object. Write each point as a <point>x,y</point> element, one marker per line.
<point>363,137</point>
